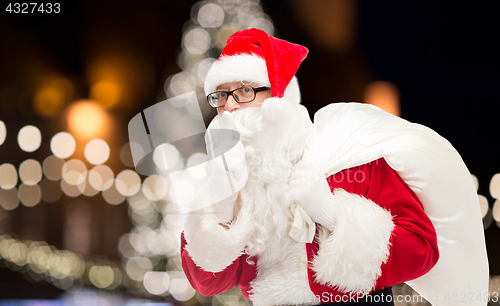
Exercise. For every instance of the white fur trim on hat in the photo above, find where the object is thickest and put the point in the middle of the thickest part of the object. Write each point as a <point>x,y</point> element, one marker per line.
<point>237,68</point>
<point>350,259</point>
<point>245,67</point>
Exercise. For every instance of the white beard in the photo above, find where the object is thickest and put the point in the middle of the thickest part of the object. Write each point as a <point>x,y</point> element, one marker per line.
<point>272,150</point>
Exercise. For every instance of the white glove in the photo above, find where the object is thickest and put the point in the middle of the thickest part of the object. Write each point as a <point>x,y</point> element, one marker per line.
<point>311,190</point>
<point>225,209</point>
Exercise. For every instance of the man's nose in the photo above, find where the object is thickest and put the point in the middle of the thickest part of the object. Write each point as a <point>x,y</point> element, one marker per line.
<point>231,104</point>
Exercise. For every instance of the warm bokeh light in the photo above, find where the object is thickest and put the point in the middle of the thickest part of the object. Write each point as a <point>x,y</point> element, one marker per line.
<point>156,282</point>
<point>3,214</point>
<point>139,201</point>
<point>74,172</point>
<point>17,253</point>
<point>112,196</point>
<point>63,145</point>
<point>475,181</point>
<point>8,176</point>
<point>118,78</point>
<point>30,172</point>
<point>488,219</point>
<point>384,95</point>
<point>180,83</point>
<point>136,267</point>
<point>483,202</point>
<point>125,247</point>
<point>9,199</point>
<point>180,288</point>
<point>49,99</point>
<point>197,41</point>
<point>331,24</point>
<point>196,165</point>
<point>52,167</point>
<point>182,191</point>
<point>101,276</point>
<point>87,189</point>
<point>263,23</point>
<point>29,195</point>
<point>154,188</point>
<point>128,183</point>
<point>126,155</point>
<point>70,190</point>
<point>59,267</point>
<point>106,92</point>
<point>117,280</point>
<point>3,132</point>
<point>29,138</point>
<point>87,119</point>
<point>101,177</point>
<point>496,210</point>
<point>202,69</point>
<point>166,156</point>
<point>97,151</point>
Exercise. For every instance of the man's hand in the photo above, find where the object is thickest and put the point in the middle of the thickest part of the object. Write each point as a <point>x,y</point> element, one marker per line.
<point>311,190</point>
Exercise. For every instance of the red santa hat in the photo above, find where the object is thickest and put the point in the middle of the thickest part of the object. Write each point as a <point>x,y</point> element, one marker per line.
<point>253,55</point>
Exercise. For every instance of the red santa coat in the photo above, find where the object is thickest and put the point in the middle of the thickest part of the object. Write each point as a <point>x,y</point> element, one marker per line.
<point>410,252</point>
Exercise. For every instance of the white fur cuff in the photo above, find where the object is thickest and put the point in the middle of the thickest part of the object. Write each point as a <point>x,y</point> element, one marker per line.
<point>211,246</point>
<point>350,258</point>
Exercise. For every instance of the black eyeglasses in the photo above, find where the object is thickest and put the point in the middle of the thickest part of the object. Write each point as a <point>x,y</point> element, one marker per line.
<point>244,94</point>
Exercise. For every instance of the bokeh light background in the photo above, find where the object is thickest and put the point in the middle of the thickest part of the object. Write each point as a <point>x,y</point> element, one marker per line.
<point>78,224</point>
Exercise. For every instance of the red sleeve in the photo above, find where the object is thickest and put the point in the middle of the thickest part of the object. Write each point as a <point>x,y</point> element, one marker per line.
<point>209,283</point>
<point>414,249</point>
<point>240,272</point>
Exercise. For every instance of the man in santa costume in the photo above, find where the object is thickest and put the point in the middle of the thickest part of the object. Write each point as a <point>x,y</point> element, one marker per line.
<point>332,212</point>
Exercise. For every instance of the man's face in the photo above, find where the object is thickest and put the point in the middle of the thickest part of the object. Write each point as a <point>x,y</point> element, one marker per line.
<point>231,105</point>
